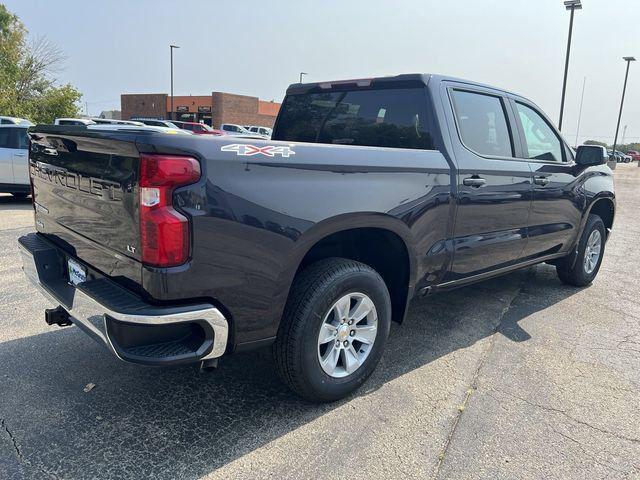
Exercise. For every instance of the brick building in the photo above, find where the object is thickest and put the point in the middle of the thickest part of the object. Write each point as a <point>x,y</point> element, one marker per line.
<point>213,109</point>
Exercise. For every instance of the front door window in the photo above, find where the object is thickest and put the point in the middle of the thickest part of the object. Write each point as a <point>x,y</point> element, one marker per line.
<point>541,141</point>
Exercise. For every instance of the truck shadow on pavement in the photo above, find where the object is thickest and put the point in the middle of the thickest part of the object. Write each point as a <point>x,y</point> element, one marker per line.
<point>177,422</point>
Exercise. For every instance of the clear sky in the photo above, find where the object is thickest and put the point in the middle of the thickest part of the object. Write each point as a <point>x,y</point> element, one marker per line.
<point>259,47</point>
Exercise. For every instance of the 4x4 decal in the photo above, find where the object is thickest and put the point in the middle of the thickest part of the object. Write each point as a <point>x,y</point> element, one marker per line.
<point>245,150</point>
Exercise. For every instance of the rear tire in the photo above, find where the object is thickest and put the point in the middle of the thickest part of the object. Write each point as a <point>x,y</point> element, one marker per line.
<point>323,369</point>
<point>587,263</point>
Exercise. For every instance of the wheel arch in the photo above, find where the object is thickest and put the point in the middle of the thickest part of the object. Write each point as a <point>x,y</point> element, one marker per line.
<point>605,208</point>
<point>382,242</point>
<point>602,205</point>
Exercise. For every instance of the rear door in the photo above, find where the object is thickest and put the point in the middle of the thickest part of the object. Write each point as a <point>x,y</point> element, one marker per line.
<point>493,185</point>
<point>6,155</point>
<point>557,194</point>
<point>20,160</point>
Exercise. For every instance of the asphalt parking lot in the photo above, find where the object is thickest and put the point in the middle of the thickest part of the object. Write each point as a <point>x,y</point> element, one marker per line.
<point>517,377</point>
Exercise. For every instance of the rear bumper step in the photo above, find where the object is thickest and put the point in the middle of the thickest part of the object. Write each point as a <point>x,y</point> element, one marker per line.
<point>129,327</point>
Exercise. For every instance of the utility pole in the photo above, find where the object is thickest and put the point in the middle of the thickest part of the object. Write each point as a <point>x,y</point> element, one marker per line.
<point>571,5</point>
<point>624,89</point>
<point>584,80</point>
<point>171,47</point>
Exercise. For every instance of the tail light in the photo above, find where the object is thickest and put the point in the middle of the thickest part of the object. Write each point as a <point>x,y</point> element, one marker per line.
<point>164,232</point>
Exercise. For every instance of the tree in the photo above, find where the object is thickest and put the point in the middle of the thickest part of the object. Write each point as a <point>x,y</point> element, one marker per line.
<point>619,147</point>
<point>27,84</point>
<point>595,142</point>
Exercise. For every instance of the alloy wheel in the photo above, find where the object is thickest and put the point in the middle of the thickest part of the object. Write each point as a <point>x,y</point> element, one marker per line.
<point>592,251</point>
<point>347,335</point>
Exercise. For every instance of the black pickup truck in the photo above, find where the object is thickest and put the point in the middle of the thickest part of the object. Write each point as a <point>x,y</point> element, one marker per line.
<point>172,248</point>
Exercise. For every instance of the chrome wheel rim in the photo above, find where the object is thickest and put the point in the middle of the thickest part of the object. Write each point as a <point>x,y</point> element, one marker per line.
<point>347,335</point>
<point>592,251</point>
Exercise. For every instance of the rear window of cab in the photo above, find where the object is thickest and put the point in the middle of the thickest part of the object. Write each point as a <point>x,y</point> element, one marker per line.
<point>391,117</point>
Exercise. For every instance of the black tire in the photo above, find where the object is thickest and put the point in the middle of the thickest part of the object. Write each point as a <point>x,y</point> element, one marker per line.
<point>576,274</point>
<point>313,293</point>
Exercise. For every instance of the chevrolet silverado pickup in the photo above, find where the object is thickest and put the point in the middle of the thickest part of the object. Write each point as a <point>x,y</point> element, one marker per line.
<point>170,249</point>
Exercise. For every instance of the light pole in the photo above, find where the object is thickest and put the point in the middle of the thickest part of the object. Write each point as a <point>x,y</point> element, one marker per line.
<point>171,47</point>
<point>584,81</point>
<point>571,5</point>
<point>624,88</point>
<point>301,74</point>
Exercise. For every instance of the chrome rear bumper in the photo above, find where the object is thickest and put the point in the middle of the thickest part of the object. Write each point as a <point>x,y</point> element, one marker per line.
<point>130,328</point>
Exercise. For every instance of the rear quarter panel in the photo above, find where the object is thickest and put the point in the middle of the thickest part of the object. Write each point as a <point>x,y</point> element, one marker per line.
<point>255,217</point>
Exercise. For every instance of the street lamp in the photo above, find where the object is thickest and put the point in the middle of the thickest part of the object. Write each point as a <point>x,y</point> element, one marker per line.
<point>571,5</point>
<point>171,47</point>
<point>584,81</point>
<point>624,88</point>
<point>301,74</point>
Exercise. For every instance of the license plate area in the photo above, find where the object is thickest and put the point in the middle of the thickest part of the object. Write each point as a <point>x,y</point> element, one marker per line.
<point>77,272</point>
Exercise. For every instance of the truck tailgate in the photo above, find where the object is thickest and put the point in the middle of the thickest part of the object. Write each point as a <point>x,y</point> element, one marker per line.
<point>85,196</point>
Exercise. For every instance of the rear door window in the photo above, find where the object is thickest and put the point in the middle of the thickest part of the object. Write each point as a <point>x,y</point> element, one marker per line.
<point>5,138</point>
<point>391,117</point>
<point>482,123</point>
<point>21,138</point>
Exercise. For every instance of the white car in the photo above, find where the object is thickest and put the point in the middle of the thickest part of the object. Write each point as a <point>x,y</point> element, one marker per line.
<point>266,131</point>
<point>14,160</point>
<point>14,121</point>
<point>149,128</point>
<point>154,122</point>
<point>233,129</point>
<point>73,121</point>
<point>109,121</point>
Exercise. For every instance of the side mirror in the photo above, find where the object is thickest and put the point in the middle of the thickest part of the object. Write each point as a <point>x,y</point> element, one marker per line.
<point>591,155</point>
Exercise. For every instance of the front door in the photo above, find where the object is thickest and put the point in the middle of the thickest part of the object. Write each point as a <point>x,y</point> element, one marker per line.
<point>493,186</point>
<point>557,197</point>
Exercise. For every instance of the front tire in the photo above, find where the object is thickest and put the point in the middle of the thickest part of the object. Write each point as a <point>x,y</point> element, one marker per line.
<point>334,329</point>
<point>589,257</point>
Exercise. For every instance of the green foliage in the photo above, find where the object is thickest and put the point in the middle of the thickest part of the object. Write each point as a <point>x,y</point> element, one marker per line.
<point>619,147</point>
<point>57,102</point>
<point>628,146</point>
<point>595,142</point>
<point>27,87</point>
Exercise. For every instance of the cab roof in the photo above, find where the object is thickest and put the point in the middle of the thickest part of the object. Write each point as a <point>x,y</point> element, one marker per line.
<point>403,80</point>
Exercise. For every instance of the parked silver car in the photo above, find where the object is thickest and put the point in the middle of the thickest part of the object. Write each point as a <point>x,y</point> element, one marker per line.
<point>14,166</point>
<point>14,121</point>
<point>233,129</point>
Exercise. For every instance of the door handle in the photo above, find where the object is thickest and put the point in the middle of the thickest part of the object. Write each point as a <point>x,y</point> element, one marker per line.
<point>474,181</point>
<point>20,154</point>
<point>538,180</point>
